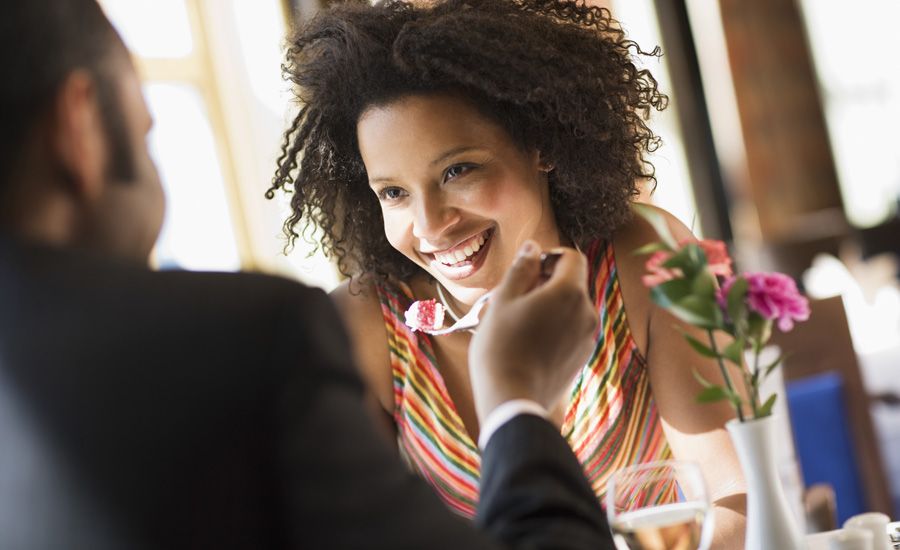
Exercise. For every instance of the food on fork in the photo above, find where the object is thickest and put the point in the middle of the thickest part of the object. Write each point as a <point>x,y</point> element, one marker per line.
<point>424,315</point>
<point>428,315</point>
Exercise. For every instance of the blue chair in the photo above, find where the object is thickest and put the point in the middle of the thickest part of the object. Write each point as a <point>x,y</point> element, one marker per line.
<point>830,409</point>
<point>825,447</point>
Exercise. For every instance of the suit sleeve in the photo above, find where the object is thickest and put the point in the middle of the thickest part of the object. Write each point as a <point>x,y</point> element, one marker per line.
<point>345,488</point>
<point>534,493</point>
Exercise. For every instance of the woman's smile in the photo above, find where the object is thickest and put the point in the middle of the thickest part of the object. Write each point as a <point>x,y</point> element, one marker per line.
<point>458,197</point>
<point>464,259</point>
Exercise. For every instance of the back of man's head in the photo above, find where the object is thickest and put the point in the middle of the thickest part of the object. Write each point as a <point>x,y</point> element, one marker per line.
<point>41,43</point>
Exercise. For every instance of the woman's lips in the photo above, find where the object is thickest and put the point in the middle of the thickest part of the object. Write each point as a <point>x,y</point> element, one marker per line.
<point>463,251</point>
<point>468,266</point>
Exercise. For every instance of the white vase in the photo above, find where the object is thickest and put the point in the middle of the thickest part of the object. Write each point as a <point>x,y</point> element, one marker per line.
<point>770,523</point>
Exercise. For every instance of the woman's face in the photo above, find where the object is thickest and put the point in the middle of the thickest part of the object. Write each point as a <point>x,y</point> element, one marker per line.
<point>458,196</point>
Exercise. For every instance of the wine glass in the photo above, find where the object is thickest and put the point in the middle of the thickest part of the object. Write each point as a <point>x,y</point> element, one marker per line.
<point>659,506</point>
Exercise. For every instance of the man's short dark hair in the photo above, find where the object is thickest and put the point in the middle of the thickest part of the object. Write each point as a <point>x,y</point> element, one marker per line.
<point>41,43</point>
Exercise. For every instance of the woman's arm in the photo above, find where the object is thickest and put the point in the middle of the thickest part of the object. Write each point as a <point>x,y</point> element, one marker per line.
<point>695,431</point>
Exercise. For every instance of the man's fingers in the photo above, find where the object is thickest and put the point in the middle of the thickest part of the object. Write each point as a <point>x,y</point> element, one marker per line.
<point>523,275</point>
<point>570,270</point>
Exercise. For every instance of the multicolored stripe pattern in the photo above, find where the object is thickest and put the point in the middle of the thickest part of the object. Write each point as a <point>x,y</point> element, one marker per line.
<point>611,420</point>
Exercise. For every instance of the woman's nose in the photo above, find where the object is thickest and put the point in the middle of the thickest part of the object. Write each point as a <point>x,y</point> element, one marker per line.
<point>433,217</point>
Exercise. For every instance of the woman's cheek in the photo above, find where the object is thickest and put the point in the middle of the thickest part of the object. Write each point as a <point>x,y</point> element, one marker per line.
<point>398,236</point>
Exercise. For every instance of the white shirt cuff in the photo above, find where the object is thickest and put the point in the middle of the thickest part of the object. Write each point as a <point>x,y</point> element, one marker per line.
<point>506,412</point>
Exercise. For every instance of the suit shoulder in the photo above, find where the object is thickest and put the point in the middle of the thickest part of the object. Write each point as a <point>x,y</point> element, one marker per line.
<point>250,288</point>
<point>236,303</point>
<point>301,322</point>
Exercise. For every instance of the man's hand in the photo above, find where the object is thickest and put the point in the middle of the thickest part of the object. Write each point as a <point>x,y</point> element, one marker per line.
<point>534,337</point>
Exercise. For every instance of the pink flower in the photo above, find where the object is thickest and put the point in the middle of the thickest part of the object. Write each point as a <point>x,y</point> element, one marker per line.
<point>717,259</point>
<point>773,296</point>
<point>656,273</point>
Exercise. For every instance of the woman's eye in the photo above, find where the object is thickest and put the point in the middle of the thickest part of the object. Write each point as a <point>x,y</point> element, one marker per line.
<point>391,194</point>
<point>456,171</point>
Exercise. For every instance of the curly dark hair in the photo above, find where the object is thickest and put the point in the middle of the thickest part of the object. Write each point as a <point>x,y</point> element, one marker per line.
<point>558,76</point>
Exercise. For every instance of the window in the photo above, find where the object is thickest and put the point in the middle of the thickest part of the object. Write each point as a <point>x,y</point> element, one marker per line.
<point>673,192</point>
<point>212,74</point>
<point>853,47</point>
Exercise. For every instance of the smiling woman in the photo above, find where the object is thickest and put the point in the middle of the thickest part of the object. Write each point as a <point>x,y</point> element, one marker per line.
<point>433,140</point>
<point>446,201</point>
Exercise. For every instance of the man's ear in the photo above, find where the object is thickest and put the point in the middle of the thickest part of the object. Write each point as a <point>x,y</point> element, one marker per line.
<point>77,135</point>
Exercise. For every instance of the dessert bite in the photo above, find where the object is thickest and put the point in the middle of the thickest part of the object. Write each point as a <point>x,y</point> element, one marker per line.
<point>425,315</point>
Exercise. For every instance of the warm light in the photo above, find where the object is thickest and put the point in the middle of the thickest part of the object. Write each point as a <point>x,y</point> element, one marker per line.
<point>873,314</point>
<point>152,28</point>
<point>197,233</point>
<point>674,192</point>
<point>861,96</point>
<point>261,30</point>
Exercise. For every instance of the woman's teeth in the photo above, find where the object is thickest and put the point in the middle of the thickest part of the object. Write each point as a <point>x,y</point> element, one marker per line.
<point>463,253</point>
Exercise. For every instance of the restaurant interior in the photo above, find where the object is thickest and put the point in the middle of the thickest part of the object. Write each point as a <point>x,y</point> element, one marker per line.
<point>780,139</point>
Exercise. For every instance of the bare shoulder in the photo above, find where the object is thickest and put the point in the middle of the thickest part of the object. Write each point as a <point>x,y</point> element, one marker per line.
<point>630,267</point>
<point>354,300</point>
<point>361,312</point>
<point>638,231</point>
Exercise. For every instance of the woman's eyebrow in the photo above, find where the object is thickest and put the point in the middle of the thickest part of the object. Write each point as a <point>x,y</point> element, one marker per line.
<point>452,152</point>
<point>380,179</point>
<point>443,157</point>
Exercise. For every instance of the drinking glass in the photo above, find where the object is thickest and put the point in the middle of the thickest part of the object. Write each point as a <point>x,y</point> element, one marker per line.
<point>659,506</point>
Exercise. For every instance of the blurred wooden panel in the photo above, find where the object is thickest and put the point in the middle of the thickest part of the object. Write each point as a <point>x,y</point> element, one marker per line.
<point>703,164</point>
<point>789,158</point>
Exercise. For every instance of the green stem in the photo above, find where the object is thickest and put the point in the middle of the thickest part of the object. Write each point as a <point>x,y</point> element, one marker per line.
<point>754,388</point>
<point>725,375</point>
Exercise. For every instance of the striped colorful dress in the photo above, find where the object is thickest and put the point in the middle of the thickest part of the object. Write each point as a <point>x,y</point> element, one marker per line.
<point>611,420</point>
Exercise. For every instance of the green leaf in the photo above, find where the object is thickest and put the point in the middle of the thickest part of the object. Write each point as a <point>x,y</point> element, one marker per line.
<point>650,248</point>
<point>771,366</point>
<point>656,219</point>
<point>735,300</point>
<point>712,394</point>
<point>704,285</point>
<point>735,400</point>
<point>766,409</point>
<point>710,390</point>
<point>668,293</point>
<point>697,311</point>
<point>700,347</point>
<point>691,317</point>
<point>734,352</point>
<point>703,381</point>
<point>760,328</point>
<point>689,259</point>
<point>696,256</point>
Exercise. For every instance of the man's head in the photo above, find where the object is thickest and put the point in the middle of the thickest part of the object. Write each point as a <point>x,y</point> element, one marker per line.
<point>74,164</point>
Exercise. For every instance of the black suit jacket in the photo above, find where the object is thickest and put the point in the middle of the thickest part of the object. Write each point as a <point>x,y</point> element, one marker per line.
<point>182,410</point>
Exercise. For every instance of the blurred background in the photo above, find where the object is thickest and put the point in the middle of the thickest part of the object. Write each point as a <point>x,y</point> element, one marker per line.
<point>781,138</point>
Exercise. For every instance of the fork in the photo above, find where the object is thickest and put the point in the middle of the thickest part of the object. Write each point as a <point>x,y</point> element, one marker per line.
<point>468,321</point>
<point>471,319</point>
